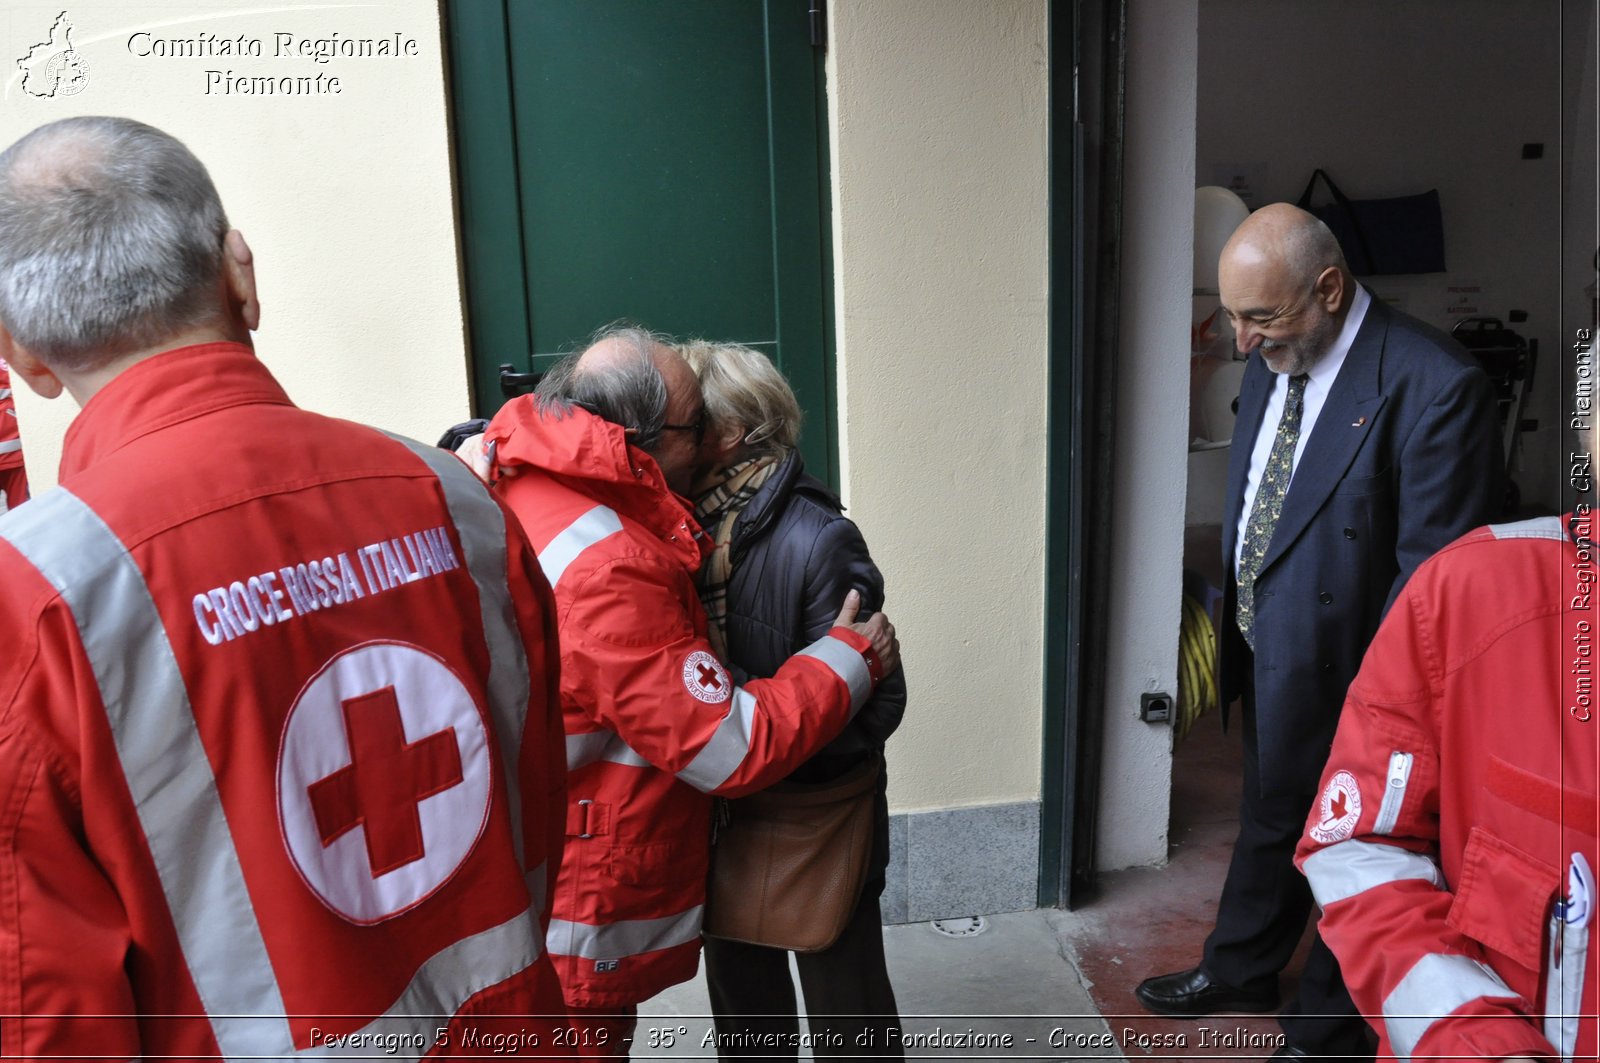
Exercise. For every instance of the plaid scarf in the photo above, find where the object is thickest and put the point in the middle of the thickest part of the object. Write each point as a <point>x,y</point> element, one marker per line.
<point>717,511</point>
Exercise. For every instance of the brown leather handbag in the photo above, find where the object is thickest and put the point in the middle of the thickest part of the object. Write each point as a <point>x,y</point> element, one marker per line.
<point>787,869</point>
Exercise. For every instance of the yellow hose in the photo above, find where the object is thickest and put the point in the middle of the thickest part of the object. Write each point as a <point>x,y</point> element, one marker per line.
<point>1197,676</point>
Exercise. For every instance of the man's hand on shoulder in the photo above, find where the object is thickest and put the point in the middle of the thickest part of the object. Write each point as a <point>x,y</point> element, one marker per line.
<point>877,630</point>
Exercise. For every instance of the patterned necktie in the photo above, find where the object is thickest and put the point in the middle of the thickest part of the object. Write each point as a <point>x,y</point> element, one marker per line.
<point>1268,506</point>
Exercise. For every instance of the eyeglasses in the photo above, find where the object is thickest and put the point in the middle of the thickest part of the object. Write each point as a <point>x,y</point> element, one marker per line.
<point>698,428</point>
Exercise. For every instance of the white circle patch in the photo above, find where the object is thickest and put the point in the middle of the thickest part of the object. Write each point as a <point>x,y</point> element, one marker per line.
<point>705,677</point>
<point>1338,810</point>
<point>383,779</point>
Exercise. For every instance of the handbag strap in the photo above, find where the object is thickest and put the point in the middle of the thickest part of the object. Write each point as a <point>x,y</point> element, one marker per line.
<point>1304,203</point>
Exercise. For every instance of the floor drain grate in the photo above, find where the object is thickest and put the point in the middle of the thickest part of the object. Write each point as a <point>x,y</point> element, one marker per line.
<point>960,928</point>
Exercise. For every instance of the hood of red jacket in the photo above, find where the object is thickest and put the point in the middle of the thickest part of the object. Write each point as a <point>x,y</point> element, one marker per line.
<point>594,458</point>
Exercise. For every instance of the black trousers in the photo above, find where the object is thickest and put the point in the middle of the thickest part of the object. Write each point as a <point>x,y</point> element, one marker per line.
<point>1263,911</point>
<point>846,987</point>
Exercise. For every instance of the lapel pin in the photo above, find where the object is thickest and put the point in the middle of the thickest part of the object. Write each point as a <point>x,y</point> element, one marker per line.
<point>1358,422</point>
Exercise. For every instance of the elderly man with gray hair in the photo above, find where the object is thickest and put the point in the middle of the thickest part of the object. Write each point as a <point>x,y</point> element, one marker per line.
<point>594,465</point>
<point>279,757</point>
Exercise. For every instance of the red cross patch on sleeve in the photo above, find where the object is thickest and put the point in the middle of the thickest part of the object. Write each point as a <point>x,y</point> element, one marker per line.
<point>1339,809</point>
<point>706,679</point>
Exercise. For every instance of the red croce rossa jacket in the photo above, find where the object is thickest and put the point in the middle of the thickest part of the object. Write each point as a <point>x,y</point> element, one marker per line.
<point>280,761</point>
<point>1458,798</point>
<point>655,724</point>
<point>13,476</point>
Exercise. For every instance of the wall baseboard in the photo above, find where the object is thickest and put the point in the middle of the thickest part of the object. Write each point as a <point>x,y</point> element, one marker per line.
<point>955,862</point>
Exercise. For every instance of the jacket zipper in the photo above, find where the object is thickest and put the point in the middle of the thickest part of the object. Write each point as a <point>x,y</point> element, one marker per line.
<point>1394,793</point>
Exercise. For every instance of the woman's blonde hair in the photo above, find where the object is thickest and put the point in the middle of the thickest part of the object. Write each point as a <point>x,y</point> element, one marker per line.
<point>740,386</point>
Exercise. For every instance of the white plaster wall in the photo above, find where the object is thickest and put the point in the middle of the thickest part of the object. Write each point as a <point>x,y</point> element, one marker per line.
<point>937,131</point>
<point>1397,98</point>
<point>1151,429</point>
<point>345,198</point>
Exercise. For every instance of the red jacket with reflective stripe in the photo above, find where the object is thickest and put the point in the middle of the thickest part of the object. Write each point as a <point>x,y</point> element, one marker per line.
<point>259,667</point>
<point>10,437</point>
<point>13,479</point>
<point>655,724</point>
<point>1462,779</point>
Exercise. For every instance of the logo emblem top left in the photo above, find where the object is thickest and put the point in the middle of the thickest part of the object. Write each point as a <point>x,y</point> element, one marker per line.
<point>54,67</point>
<point>384,776</point>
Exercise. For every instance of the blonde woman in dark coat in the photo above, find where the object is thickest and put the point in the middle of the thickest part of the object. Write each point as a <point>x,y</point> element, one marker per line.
<point>784,556</point>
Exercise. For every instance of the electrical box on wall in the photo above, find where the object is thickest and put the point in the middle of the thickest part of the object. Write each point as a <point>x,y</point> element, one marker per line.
<point>1155,708</point>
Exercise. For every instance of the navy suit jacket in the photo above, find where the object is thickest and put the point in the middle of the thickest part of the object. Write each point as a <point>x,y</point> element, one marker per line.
<point>1404,457</point>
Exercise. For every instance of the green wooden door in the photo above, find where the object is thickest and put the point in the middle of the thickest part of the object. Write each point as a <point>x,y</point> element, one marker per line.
<point>662,161</point>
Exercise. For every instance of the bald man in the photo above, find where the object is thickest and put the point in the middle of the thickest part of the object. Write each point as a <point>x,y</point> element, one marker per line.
<point>1365,441</point>
<point>593,465</point>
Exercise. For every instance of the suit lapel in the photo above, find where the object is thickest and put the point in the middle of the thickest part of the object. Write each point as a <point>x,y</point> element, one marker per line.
<point>1347,417</point>
<point>1254,388</point>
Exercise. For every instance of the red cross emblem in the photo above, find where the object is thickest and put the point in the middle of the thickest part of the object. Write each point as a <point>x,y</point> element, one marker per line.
<point>705,678</point>
<point>1339,809</point>
<point>386,779</point>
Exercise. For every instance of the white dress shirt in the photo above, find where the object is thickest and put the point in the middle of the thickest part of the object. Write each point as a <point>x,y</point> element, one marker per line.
<point>1319,381</point>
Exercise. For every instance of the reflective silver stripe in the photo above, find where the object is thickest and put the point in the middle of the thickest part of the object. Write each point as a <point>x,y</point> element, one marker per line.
<point>5,393</point>
<point>447,979</point>
<point>10,446</point>
<point>586,749</point>
<point>729,744</point>
<point>481,524</point>
<point>1435,986</point>
<point>601,522</point>
<point>1341,871</point>
<point>165,763</point>
<point>624,938</point>
<point>1537,528</point>
<point>847,664</point>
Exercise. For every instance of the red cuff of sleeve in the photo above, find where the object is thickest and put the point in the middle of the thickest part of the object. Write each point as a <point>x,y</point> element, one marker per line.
<point>863,646</point>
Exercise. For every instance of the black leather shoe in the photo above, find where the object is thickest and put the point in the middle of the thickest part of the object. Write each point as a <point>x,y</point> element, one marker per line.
<point>1192,992</point>
<point>1291,1052</point>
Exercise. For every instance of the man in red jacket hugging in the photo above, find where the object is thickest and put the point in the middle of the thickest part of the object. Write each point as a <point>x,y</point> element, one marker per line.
<point>594,464</point>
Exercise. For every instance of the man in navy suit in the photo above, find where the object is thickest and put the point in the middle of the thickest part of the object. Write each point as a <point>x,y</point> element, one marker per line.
<point>1365,441</point>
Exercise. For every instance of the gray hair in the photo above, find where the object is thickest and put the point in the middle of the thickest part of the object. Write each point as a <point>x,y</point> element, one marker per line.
<point>627,391</point>
<point>741,387</point>
<point>1309,248</point>
<point>110,240</point>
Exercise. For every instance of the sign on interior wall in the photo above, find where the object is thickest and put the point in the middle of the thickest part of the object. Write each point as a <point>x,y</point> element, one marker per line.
<point>1464,298</point>
<point>1243,179</point>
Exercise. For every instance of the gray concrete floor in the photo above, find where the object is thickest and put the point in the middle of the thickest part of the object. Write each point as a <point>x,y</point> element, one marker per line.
<point>960,997</point>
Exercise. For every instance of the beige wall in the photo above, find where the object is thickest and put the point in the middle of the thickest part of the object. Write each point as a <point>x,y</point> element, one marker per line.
<point>938,138</point>
<point>937,123</point>
<point>345,198</point>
